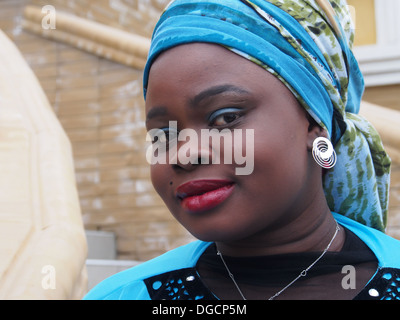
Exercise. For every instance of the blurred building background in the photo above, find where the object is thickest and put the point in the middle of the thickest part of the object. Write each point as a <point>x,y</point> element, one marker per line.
<point>377,48</point>
<point>100,105</point>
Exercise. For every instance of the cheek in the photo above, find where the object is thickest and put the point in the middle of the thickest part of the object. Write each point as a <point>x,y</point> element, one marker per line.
<point>282,135</point>
<point>281,157</point>
<point>160,179</point>
<point>282,152</point>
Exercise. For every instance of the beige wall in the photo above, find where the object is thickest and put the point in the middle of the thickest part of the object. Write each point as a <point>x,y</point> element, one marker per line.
<point>387,96</point>
<point>364,13</point>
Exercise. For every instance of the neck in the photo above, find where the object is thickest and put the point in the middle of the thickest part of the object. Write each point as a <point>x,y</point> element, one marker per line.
<point>310,231</point>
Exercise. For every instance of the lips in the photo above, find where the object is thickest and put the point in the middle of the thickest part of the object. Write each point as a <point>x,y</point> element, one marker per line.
<point>202,195</point>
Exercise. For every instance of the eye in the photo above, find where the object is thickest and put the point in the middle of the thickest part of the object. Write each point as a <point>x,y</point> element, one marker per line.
<point>225,116</point>
<point>165,135</point>
<point>170,134</point>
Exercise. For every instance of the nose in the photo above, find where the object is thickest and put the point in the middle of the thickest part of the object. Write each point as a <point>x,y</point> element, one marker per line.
<point>191,153</point>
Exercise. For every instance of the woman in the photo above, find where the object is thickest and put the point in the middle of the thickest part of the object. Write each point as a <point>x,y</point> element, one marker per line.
<point>307,222</point>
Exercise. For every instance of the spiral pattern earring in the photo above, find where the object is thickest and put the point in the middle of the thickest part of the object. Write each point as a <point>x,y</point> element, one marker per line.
<point>323,153</point>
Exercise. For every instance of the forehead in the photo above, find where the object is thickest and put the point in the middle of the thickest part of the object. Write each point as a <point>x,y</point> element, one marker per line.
<point>197,61</point>
<point>189,69</point>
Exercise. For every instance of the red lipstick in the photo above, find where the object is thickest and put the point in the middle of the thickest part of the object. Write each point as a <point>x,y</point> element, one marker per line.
<point>203,195</point>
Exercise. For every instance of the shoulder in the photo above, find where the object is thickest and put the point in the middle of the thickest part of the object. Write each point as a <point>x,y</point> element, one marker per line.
<point>129,284</point>
<point>382,245</point>
<point>385,284</point>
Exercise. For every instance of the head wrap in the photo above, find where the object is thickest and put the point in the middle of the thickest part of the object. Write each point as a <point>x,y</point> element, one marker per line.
<point>307,45</point>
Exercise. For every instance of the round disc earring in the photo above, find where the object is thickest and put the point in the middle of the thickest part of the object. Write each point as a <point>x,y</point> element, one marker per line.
<point>323,153</point>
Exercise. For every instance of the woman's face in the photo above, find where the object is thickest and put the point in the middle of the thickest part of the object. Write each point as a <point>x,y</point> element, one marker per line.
<point>204,87</point>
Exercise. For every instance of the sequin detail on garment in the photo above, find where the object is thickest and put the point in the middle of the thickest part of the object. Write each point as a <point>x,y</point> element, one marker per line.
<point>183,284</point>
<point>384,286</point>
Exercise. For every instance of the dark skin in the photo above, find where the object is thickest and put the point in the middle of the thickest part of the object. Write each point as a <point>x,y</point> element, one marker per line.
<point>280,207</point>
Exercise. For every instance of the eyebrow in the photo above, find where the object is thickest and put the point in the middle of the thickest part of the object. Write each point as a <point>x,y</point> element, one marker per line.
<point>159,111</point>
<point>216,90</point>
<point>156,112</point>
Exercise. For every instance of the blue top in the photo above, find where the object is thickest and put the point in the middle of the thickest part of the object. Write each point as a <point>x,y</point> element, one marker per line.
<point>130,284</point>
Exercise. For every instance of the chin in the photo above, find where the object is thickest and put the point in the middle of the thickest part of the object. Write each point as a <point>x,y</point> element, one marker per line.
<point>215,234</point>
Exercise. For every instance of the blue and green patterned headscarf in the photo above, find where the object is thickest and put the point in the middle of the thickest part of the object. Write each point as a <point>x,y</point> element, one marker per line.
<point>307,45</point>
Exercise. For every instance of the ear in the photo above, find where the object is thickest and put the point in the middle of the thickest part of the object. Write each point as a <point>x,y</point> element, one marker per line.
<point>315,131</point>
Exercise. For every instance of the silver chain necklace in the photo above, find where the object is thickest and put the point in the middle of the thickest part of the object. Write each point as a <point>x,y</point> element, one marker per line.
<point>302,274</point>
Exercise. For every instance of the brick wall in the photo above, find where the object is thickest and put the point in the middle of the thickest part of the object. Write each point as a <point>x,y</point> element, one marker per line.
<point>386,96</point>
<point>138,16</point>
<point>100,105</point>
